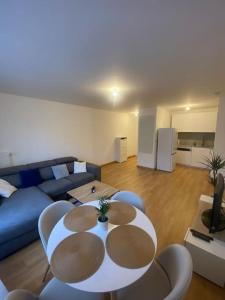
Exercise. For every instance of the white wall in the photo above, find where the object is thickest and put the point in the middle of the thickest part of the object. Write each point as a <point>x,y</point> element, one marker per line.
<point>162,119</point>
<point>146,158</point>
<point>35,130</point>
<point>219,144</point>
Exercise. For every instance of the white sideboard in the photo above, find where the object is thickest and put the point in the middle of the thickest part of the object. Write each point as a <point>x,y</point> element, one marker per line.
<point>208,257</point>
<point>121,149</point>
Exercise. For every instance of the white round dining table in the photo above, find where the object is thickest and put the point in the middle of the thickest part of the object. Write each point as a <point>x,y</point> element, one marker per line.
<point>110,276</point>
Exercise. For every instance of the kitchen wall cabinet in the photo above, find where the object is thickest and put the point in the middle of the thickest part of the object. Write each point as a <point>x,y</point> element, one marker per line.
<point>195,121</point>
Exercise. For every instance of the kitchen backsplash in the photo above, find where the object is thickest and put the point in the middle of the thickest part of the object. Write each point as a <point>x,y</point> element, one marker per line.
<point>196,139</point>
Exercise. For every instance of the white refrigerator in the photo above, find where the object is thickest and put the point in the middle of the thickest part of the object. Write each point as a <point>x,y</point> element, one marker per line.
<point>166,149</point>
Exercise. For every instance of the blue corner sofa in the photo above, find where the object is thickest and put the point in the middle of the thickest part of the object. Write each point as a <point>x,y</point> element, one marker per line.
<point>20,212</point>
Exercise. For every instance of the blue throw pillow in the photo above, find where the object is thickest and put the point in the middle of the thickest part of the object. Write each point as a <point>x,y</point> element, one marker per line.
<point>60,171</point>
<point>30,178</point>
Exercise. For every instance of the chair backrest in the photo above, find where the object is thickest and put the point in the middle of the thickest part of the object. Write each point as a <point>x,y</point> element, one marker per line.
<point>177,263</point>
<point>20,294</point>
<point>3,291</point>
<point>55,290</point>
<point>131,198</point>
<point>50,216</point>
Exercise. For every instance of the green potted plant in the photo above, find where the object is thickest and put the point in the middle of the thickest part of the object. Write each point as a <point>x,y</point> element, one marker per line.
<point>214,163</point>
<point>102,212</point>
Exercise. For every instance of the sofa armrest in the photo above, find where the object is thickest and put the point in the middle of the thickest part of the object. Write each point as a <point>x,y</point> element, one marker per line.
<point>95,170</point>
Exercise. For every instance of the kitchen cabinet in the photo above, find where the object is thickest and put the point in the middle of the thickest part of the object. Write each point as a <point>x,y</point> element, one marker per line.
<point>198,156</point>
<point>195,121</point>
<point>194,157</point>
<point>183,157</point>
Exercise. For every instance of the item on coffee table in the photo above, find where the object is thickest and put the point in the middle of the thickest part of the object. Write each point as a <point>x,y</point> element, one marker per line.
<point>103,209</point>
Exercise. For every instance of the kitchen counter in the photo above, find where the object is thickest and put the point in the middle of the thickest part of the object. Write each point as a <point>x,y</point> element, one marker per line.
<point>190,147</point>
<point>192,155</point>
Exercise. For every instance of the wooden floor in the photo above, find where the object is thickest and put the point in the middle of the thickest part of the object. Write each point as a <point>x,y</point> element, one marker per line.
<point>171,200</point>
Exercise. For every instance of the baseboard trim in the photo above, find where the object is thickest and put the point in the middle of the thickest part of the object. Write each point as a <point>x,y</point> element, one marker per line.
<point>147,168</point>
<point>112,162</point>
<point>109,163</point>
<point>192,167</point>
<point>131,156</point>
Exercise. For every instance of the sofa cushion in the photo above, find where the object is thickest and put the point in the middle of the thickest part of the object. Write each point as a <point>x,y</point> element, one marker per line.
<point>6,189</point>
<point>60,171</point>
<point>70,167</point>
<point>20,212</point>
<point>80,167</point>
<point>46,173</point>
<point>95,170</point>
<point>13,179</point>
<point>80,179</point>
<point>12,170</point>
<point>30,177</point>
<point>11,174</point>
<point>56,187</point>
<point>69,162</point>
<point>42,164</point>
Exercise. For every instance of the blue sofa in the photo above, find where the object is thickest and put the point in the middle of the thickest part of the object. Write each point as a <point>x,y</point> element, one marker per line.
<point>20,212</point>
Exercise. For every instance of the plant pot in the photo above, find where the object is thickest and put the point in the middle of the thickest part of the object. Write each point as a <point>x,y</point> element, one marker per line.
<point>103,224</point>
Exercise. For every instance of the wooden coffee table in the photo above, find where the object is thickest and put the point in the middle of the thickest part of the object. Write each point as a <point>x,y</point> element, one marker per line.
<point>83,193</point>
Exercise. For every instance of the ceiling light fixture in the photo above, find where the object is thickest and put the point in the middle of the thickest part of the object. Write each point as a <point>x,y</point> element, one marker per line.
<point>187,108</point>
<point>115,93</point>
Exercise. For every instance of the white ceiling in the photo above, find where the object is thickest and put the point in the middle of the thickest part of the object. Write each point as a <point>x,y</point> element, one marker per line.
<point>161,52</point>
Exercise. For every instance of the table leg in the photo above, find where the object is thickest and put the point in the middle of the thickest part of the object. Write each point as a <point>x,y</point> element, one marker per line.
<point>110,296</point>
<point>113,295</point>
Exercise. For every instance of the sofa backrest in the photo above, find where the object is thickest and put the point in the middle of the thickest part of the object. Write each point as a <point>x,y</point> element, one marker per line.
<point>11,174</point>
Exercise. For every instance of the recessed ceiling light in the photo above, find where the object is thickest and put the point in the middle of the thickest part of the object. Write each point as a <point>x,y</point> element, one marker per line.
<point>115,93</point>
<point>187,108</point>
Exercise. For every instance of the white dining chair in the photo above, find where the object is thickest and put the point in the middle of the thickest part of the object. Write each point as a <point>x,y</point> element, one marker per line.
<point>54,290</point>
<point>168,277</point>
<point>3,291</point>
<point>47,220</point>
<point>131,198</point>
